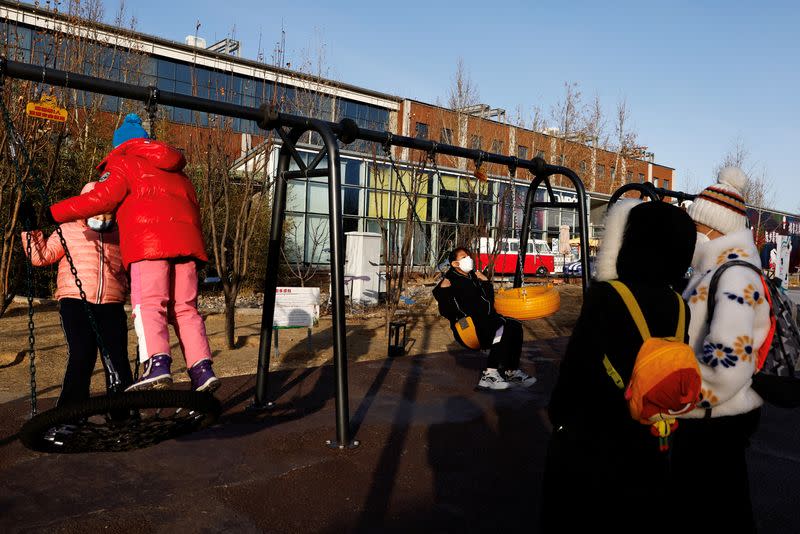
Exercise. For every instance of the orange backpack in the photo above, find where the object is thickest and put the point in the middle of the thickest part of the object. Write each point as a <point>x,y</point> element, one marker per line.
<point>666,376</point>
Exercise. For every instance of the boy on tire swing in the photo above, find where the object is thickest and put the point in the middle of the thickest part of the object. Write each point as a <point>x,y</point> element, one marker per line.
<point>465,292</point>
<point>143,183</point>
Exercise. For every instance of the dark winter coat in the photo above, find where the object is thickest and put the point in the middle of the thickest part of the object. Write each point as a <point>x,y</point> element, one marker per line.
<point>468,296</point>
<point>604,469</point>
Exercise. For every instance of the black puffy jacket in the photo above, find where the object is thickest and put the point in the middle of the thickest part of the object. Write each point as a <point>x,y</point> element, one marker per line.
<point>469,296</point>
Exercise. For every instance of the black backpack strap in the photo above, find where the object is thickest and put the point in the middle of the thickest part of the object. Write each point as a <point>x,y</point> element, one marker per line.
<point>712,287</point>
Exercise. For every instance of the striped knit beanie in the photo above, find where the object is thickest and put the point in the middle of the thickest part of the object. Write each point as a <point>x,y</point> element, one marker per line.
<point>721,206</point>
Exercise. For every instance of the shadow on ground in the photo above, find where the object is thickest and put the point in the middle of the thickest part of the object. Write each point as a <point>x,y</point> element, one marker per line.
<point>435,456</point>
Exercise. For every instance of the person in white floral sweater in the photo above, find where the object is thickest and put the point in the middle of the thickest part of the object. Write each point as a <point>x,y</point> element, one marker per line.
<point>710,446</point>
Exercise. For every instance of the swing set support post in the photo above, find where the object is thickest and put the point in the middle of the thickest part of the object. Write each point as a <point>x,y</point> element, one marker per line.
<point>336,233</point>
<point>271,277</point>
<point>542,174</point>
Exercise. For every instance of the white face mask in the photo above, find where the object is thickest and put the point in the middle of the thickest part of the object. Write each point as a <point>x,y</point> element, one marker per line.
<point>465,264</point>
<point>98,225</point>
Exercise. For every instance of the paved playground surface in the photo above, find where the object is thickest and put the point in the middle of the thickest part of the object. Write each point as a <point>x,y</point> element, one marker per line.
<point>435,456</point>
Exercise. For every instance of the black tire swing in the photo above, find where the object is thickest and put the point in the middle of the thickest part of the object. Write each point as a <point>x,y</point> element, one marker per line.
<point>117,421</point>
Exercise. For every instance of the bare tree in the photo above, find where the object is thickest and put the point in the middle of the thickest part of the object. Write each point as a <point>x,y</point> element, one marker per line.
<point>310,98</point>
<point>518,118</point>
<point>395,203</point>
<point>63,154</point>
<point>537,123</point>
<point>594,132</point>
<point>759,190</point>
<point>234,199</point>
<point>690,183</point>
<point>294,249</point>
<point>626,141</point>
<point>463,92</point>
<point>567,114</point>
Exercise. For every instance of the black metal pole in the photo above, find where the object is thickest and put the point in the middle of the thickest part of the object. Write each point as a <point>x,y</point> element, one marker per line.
<point>60,78</point>
<point>524,231</point>
<point>336,231</point>
<point>583,221</point>
<point>271,276</point>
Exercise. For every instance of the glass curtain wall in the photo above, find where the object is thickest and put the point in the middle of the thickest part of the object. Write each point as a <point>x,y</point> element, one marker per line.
<point>445,211</point>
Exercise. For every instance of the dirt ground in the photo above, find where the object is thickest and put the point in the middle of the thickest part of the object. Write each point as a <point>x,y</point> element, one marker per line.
<point>427,333</point>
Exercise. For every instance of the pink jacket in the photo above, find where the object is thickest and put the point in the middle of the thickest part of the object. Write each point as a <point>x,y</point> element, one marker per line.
<point>96,256</point>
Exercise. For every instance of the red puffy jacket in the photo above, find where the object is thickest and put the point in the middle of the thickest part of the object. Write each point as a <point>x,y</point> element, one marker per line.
<point>156,204</point>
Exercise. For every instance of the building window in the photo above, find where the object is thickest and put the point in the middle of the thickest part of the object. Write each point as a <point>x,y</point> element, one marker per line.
<point>446,136</point>
<point>497,146</point>
<point>601,171</point>
<point>422,130</point>
<point>641,178</point>
<point>629,176</point>
<point>540,154</point>
<point>475,142</point>
<point>583,167</point>
<point>522,152</point>
<point>613,173</point>
<point>665,183</point>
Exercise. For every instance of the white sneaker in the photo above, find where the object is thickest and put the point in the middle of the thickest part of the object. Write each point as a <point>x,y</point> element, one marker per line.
<point>519,378</point>
<point>491,379</point>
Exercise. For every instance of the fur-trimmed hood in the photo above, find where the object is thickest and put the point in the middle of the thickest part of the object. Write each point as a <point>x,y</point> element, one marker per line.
<point>616,219</point>
<point>651,242</point>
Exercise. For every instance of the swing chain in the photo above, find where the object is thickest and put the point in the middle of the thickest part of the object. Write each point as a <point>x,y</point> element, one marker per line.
<point>31,327</point>
<point>16,142</point>
<point>512,168</point>
<point>13,140</point>
<point>113,376</point>
<point>152,109</point>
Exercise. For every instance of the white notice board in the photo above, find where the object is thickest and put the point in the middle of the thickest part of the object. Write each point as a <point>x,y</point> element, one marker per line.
<point>296,307</point>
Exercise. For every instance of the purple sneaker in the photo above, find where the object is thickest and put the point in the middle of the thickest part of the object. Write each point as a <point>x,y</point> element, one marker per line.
<point>203,378</point>
<point>156,374</point>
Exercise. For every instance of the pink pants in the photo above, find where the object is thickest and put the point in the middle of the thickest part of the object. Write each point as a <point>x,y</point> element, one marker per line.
<point>164,292</point>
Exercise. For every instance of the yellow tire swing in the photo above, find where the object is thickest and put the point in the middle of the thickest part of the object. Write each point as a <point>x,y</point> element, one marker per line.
<point>522,303</point>
<point>525,303</point>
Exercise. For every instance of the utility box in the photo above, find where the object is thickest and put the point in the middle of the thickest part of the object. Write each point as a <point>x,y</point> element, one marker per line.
<point>362,267</point>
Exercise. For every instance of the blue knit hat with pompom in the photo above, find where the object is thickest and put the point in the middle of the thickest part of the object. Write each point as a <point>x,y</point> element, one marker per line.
<point>131,128</point>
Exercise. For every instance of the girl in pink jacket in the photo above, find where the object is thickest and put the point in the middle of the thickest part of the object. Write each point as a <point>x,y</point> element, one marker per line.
<point>94,247</point>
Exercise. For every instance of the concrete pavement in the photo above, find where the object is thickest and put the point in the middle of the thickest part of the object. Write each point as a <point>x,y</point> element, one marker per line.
<point>435,456</point>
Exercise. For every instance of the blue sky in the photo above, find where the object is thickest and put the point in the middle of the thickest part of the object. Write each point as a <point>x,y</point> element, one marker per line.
<point>696,76</point>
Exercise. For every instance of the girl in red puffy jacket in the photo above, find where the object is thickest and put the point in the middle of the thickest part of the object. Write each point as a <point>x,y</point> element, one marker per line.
<point>156,207</point>
<point>94,247</point>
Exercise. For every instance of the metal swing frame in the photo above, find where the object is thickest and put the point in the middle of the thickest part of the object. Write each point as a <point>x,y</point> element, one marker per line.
<point>542,175</point>
<point>290,128</point>
<point>647,189</point>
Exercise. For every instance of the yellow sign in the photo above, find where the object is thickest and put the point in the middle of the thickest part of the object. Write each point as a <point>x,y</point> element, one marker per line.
<point>47,108</point>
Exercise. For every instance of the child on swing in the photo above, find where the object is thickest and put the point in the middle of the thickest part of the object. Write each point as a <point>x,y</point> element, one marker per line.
<point>94,247</point>
<point>142,181</point>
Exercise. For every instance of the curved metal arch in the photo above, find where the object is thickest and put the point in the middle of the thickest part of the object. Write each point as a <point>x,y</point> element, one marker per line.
<point>542,171</point>
<point>645,188</point>
<point>336,232</point>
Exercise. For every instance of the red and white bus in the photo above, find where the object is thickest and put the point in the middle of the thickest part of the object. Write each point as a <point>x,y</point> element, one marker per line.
<point>539,259</point>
